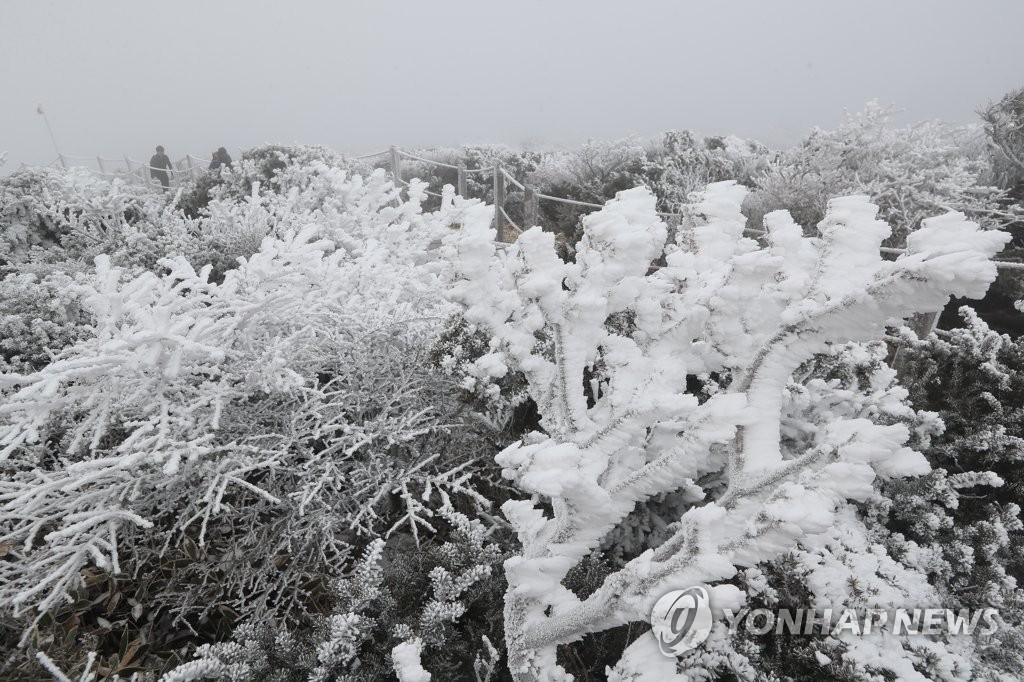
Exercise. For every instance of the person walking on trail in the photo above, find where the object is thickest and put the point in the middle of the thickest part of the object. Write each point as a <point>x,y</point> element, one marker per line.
<point>215,162</point>
<point>159,166</point>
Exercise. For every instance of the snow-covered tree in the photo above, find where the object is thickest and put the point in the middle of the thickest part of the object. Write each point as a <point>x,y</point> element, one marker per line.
<point>618,426</point>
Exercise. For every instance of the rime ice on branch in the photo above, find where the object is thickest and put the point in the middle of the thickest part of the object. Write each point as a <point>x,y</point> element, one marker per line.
<point>617,424</point>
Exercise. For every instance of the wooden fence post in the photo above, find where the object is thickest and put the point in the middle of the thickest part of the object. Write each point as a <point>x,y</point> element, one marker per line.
<point>461,183</point>
<point>63,161</point>
<point>529,207</point>
<point>499,201</point>
<point>99,162</point>
<point>396,172</point>
<point>924,324</point>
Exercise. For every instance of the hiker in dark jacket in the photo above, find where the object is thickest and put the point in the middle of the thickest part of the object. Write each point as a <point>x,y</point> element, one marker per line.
<point>225,159</point>
<point>215,162</point>
<point>159,165</point>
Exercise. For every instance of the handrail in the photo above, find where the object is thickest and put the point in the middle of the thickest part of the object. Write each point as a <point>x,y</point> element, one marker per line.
<point>511,179</point>
<point>568,201</point>
<point>510,221</point>
<point>430,161</point>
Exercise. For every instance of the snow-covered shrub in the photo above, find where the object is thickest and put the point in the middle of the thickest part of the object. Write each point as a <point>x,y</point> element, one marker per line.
<point>61,220</point>
<point>1004,127</point>
<point>961,524</point>
<point>232,430</point>
<point>479,185</point>
<point>1003,122</point>
<point>40,315</point>
<point>306,187</point>
<point>911,173</point>
<point>974,379</point>
<point>52,215</point>
<point>462,352</point>
<point>391,599</point>
<point>683,165</point>
<point>264,166</point>
<point>593,172</point>
<point>724,305</point>
<point>268,164</point>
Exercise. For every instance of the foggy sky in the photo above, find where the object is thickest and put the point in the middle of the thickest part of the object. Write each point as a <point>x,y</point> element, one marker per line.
<point>118,77</point>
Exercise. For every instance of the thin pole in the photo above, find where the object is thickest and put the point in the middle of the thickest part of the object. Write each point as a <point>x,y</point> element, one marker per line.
<point>462,180</point>
<point>499,201</point>
<point>396,172</point>
<point>529,207</point>
<point>40,111</point>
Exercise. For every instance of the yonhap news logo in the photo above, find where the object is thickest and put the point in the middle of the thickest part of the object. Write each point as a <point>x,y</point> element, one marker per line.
<point>681,620</point>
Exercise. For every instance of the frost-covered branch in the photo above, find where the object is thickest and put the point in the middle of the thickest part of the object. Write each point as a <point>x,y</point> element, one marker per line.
<point>606,349</point>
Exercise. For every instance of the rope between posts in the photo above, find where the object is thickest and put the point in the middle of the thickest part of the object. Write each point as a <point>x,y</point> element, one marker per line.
<point>138,165</point>
<point>370,156</point>
<point>141,165</point>
<point>430,161</point>
<point>110,175</point>
<point>512,180</point>
<point>105,175</point>
<point>154,168</point>
<point>587,204</point>
<point>510,221</point>
<point>567,201</point>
